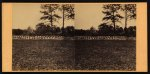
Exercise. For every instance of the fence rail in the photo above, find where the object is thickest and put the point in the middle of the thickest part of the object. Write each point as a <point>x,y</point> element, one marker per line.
<point>73,38</point>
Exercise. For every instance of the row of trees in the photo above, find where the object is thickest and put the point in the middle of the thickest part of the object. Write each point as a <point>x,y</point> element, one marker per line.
<point>103,30</point>
<point>109,26</point>
<point>49,12</point>
<point>112,15</point>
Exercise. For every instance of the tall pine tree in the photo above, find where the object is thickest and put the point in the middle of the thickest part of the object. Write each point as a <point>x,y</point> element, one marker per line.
<point>67,12</point>
<point>111,14</point>
<point>49,13</point>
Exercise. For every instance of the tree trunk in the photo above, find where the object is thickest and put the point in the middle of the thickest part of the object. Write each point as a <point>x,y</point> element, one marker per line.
<point>114,23</point>
<point>51,20</point>
<point>63,19</point>
<point>125,19</point>
<point>125,29</point>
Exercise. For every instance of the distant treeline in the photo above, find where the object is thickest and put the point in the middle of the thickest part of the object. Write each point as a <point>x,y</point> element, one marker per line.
<point>109,27</point>
<point>103,30</point>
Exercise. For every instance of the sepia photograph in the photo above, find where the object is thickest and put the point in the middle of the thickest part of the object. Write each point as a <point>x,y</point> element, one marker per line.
<point>74,37</point>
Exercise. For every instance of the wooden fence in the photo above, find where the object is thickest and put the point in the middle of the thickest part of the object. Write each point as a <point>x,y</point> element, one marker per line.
<point>73,38</point>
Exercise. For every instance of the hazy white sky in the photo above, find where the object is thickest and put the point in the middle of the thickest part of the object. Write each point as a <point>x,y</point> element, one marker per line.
<point>86,16</point>
<point>25,15</point>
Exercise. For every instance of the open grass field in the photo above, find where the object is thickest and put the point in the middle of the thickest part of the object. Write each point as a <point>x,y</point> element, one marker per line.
<point>74,55</point>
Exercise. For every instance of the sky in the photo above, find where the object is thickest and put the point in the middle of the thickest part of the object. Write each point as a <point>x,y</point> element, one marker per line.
<point>25,15</point>
<point>86,16</point>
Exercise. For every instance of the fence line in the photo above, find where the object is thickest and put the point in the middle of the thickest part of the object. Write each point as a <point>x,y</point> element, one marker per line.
<point>104,38</point>
<point>37,37</point>
<point>73,38</point>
